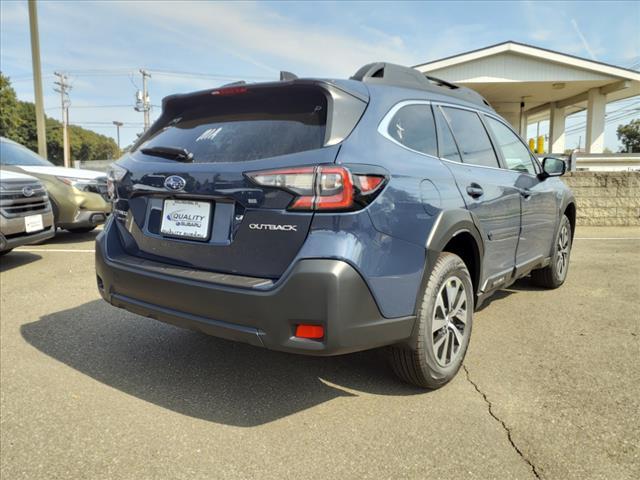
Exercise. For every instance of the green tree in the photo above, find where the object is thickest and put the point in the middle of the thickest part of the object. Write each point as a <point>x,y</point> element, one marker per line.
<point>9,109</point>
<point>629,135</point>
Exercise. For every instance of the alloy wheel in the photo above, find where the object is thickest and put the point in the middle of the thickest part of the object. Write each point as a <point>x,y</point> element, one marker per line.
<point>450,318</point>
<point>562,255</point>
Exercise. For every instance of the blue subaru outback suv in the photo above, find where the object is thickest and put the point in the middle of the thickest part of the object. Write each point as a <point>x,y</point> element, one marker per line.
<point>329,216</point>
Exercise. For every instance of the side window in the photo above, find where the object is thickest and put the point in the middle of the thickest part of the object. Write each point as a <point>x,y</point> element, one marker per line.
<point>413,127</point>
<point>515,154</point>
<point>447,144</point>
<point>471,136</point>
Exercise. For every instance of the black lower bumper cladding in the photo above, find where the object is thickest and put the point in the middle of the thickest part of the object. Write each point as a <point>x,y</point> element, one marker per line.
<point>322,292</point>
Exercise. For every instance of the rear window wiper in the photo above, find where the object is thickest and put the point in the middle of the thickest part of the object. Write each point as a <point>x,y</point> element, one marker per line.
<point>173,153</point>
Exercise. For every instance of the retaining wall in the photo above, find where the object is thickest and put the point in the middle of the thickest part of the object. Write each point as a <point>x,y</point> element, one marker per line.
<point>606,198</point>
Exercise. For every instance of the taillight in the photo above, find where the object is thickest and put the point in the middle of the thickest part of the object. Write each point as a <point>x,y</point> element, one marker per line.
<point>115,174</point>
<point>321,187</point>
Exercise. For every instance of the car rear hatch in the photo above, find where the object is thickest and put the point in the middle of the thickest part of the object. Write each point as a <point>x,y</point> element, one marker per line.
<point>184,196</point>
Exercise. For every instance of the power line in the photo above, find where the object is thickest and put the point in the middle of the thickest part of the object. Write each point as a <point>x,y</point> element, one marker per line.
<point>610,116</point>
<point>93,106</point>
<point>135,85</point>
<point>162,72</point>
<point>607,122</point>
<point>630,105</point>
<point>103,126</point>
<point>177,73</point>
<point>108,123</point>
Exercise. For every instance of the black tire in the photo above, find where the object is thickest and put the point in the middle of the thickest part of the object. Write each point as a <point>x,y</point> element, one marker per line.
<point>4,252</point>
<point>423,365</point>
<point>554,275</point>
<point>81,229</point>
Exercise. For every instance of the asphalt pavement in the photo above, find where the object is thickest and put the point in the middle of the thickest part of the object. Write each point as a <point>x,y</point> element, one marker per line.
<point>550,387</point>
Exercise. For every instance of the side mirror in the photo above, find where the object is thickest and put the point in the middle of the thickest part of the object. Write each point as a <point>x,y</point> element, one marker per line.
<point>553,167</point>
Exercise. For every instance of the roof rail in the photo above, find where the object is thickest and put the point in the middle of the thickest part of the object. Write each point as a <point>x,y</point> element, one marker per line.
<point>400,76</point>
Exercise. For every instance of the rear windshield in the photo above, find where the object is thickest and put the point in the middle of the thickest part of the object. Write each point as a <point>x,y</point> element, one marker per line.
<point>255,124</point>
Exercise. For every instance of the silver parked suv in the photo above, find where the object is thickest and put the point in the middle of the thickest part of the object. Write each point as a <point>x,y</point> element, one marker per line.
<point>25,211</point>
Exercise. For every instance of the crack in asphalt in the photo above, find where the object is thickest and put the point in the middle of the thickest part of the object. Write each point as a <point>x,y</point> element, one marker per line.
<point>504,425</point>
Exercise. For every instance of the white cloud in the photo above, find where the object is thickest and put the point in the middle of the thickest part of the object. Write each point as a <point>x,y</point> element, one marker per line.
<point>182,84</point>
<point>585,44</point>
<point>541,35</point>
<point>253,33</point>
<point>454,39</point>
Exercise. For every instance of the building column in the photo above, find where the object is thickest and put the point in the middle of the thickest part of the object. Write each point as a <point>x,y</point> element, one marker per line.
<point>524,123</point>
<point>557,116</point>
<point>596,106</point>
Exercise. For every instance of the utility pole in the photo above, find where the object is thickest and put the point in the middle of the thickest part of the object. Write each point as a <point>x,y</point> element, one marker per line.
<point>118,125</point>
<point>63,90</point>
<point>37,79</point>
<point>143,104</point>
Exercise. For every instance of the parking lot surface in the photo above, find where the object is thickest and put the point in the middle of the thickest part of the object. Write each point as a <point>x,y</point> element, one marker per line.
<point>550,386</point>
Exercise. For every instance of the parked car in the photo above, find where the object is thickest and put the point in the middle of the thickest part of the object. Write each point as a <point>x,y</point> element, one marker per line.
<point>78,197</point>
<point>329,216</point>
<point>25,211</point>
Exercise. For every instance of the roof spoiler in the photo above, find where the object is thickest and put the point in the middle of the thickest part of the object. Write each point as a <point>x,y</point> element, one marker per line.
<point>401,76</point>
<point>284,77</point>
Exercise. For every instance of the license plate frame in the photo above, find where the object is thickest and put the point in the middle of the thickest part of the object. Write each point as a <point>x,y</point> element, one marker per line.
<point>181,219</point>
<point>33,223</point>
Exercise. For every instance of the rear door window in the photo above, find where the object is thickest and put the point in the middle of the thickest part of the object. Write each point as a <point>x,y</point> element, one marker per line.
<point>516,155</point>
<point>471,137</point>
<point>251,125</point>
<point>413,126</point>
<point>446,143</point>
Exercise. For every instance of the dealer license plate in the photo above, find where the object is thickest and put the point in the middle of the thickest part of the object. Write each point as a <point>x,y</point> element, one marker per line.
<point>186,219</point>
<point>33,223</point>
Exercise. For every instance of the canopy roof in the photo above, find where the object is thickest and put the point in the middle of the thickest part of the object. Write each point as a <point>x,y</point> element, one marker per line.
<point>511,72</point>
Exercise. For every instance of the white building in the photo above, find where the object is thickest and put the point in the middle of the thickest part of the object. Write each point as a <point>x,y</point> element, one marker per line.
<point>527,84</point>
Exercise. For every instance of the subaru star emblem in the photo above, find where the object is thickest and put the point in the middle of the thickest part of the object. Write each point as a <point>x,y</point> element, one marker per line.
<point>27,191</point>
<point>175,183</point>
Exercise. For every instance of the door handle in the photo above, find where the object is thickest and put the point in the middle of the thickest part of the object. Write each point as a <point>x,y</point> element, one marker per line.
<point>475,191</point>
<point>525,192</point>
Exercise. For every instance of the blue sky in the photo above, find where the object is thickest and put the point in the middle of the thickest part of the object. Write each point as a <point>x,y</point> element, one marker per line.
<point>190,46</point>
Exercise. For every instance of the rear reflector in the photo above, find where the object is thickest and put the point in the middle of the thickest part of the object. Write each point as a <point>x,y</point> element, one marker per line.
<point>309,331</point>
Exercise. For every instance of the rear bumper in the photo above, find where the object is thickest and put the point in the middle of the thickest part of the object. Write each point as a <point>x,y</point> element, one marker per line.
<point>321,292</point>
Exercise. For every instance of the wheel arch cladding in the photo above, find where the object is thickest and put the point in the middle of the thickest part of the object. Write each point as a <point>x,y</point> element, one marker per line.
<point>570,212</point>
<point>455,232</point>
<point>464,245</point>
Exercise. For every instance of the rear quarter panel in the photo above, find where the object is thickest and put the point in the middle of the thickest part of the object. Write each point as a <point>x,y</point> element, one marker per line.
<point>387,241</point>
